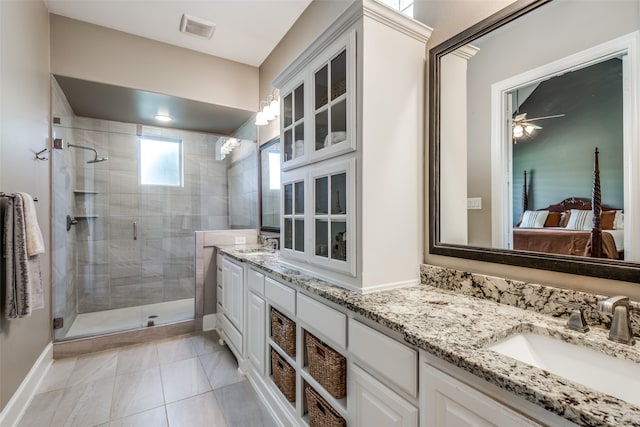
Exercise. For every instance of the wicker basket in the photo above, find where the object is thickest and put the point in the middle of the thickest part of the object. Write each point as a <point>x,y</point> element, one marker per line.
<point>284,376</point>
<point>321,414</point>
<point>283,332</point>
<point>327,366</point>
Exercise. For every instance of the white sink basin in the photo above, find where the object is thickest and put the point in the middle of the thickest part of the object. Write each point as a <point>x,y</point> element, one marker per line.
<point>610,375</point>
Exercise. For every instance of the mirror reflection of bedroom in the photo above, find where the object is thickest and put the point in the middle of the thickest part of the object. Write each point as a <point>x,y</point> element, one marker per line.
<point>560,183</point>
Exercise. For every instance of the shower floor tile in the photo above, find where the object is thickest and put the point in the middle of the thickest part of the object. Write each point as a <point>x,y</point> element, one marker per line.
<point>121,319</point>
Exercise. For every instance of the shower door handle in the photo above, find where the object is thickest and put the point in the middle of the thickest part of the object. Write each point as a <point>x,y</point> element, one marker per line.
<point>135,230</point>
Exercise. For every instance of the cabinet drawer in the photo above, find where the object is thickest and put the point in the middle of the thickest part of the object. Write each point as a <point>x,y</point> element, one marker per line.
<point>255,281</point>
<point>282,295</point>
<point>233,335</point>
<point>327,321</point>
<point>394,361</point>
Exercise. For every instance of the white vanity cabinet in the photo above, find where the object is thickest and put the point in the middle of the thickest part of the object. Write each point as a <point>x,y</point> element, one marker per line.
<point>361,85</point>
<point>256,320</point>
<point>451,403</point>
<point>233,298</point>
<point>376,405</point>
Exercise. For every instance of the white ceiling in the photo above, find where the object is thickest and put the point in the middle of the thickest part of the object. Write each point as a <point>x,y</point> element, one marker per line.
<point>246,30</point>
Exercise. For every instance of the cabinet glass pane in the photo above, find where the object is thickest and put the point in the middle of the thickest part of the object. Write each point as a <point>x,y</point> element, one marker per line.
<point>299,138</point>
<point>288,145</point>
<point>322,234</point>
<point>339,75</point>
<point>288,233</point>
<point>322,191</point>
<point>339,193</point>
<point>298,103</point>
<point>322,130</point>
<point>299,235</point>
<point>288,110</point>
<point>322,86</point>
<point>338,239</point>
<point>339,122</point>
<point>299,199</point>
<point>288,199</point>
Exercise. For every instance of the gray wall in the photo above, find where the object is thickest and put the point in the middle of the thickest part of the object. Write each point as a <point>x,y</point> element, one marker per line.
<point>560,155</point>
<point>24,129</point>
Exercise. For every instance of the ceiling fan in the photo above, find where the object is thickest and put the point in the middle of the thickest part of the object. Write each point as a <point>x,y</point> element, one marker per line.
<point>522,126</point>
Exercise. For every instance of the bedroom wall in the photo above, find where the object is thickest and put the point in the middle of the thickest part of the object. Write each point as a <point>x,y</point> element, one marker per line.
<point>449,18</point>
<point>559,158</point>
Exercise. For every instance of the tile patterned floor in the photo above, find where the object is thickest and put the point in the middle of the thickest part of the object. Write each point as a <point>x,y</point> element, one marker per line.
<point>180,382</point>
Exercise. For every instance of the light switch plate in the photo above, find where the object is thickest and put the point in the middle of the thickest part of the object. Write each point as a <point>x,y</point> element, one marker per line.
<point>241,240</point>
<point>474,203</point>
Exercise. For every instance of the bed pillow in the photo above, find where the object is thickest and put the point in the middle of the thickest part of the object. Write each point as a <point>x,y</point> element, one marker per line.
<point>608,219</point>
<point>553,219</point>
<point>533,219</point>
<point>580,220</point>
<point>619,221</point>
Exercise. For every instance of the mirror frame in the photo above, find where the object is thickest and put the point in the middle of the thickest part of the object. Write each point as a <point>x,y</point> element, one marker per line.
<point>596,267</point>
<point>261,148</point>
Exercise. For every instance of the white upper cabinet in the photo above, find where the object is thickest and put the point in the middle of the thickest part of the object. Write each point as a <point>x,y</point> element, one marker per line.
<point>358,144</point>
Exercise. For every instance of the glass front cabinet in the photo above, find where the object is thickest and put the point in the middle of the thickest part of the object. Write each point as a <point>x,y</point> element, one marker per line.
<point>352,134</point>
<point>318,107</point>
<point>319,228</point>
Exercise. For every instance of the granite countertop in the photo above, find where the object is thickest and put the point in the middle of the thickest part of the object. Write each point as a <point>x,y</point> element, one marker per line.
<point>457,328</point>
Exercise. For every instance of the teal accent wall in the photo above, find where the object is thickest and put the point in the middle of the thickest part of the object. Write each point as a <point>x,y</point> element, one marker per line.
<point>559,158</point>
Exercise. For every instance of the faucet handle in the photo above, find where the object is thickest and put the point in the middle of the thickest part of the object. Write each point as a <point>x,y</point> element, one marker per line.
<point>576,321</point>
<point>609,304</point>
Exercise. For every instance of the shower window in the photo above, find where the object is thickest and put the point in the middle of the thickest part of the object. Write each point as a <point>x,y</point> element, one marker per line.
<point>161,161</point>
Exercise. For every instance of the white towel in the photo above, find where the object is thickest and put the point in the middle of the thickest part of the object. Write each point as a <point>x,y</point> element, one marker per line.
<point>35,242</point>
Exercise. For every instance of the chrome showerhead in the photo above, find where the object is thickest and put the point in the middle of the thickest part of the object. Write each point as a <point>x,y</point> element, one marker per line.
<point>98,160</point>
<point>95,159</point>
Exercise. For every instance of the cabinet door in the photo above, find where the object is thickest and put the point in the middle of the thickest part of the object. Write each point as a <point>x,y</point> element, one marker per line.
<point>293,214</point>
<point>333,94</point>
<point>376,405</point>
<point>232,293</point>
<point>256,331</point>
<point>450,403</point>
<point>292,122</point>
<point>333,224</point>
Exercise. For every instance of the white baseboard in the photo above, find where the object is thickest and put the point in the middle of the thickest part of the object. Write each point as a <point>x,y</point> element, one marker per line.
<point>209,322</point>
<point>21,399</point>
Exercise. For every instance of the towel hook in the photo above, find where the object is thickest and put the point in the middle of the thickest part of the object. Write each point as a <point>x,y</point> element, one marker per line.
<point>39,155</point>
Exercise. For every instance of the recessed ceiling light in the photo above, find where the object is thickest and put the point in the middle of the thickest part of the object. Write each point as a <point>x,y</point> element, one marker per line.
<point>163,118</point>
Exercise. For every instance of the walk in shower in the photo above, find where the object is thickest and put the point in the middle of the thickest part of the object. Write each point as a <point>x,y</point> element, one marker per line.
<point>127,199</point>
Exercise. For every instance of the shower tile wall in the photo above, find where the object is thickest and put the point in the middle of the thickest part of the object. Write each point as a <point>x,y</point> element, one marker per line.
<point>243,182</point>
<point>114,269</point>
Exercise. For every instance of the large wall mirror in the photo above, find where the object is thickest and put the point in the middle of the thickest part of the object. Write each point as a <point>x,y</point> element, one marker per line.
<point>534,139</point>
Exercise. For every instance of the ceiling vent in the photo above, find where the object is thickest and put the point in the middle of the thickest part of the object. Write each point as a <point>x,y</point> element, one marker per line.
<point>197,26</point>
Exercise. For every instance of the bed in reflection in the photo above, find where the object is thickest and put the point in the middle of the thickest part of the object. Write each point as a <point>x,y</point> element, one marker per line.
<point>568,227</point>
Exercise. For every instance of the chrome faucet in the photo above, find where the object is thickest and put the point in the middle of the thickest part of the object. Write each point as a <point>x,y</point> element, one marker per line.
<point>272,243</point>
<point>620,325</point>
